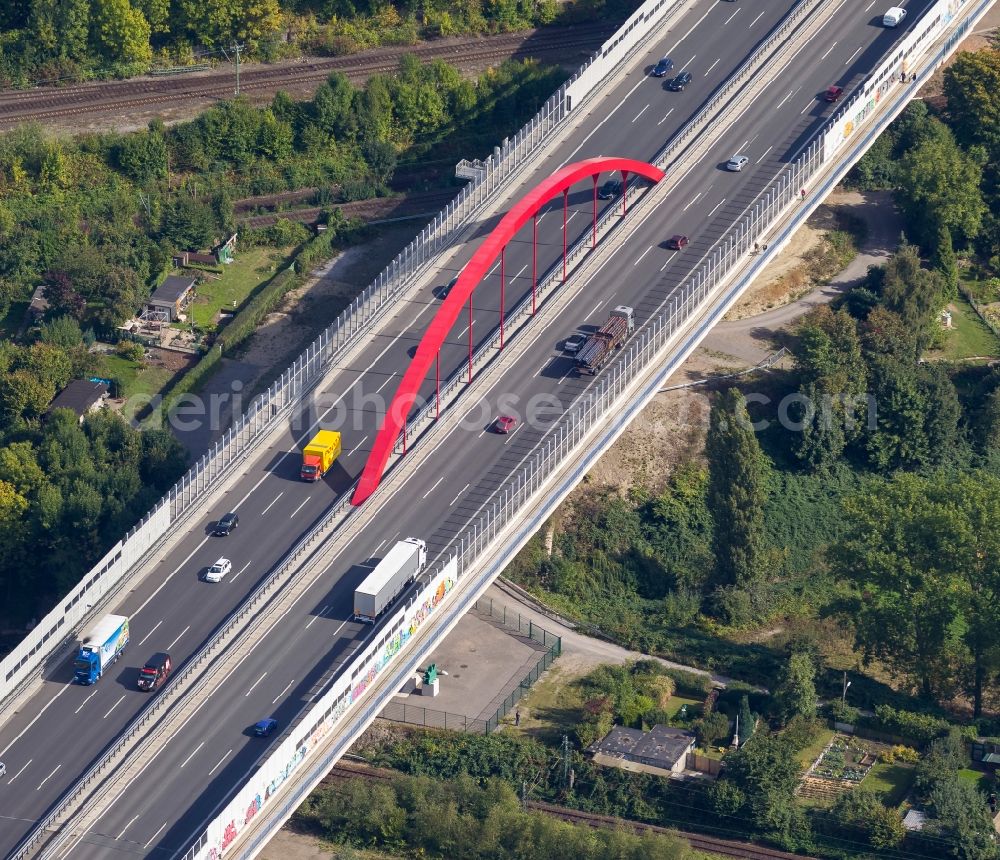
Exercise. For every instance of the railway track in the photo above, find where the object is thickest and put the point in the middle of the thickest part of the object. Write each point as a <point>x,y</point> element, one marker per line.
<point>260,83</point>
<point>709,844</point>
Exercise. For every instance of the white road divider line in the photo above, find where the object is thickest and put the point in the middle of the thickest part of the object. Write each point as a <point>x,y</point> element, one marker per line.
<point>665,116</point>
<point>255,683</point>
<point>185,630</point>
<point>355,448</point>
<point>282,693</point>
<point>717,205</point>
<point>755,20</point>
<point>299,508</point>
<point>275,499</point>
<point>641,112</point>
<point>126,827</point>
<point>712,67</point>
<point>832,46</point>
<point>858,51</point>
<point>48,778</point>
<point>151,632</point>
<point>214,769</point>
<point>84,702</point>
<point>115,705</point>
<point>639,258</point>
<point>243,568</point>
<point>432,489</point>
<point>158,832</point>
<point>62,689</point>
<point>766,151</point>
<point>193,753</point>
<point>452,502</point>
<point>23,768</point>
<point>319,614</point>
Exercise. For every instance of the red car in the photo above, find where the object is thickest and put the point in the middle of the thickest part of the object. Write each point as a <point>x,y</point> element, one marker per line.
<point>833,93</point>
<point>677,243</point>
<point>504,424</point>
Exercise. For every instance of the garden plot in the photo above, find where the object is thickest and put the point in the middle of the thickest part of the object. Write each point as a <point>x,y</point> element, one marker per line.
<point>842,764</point>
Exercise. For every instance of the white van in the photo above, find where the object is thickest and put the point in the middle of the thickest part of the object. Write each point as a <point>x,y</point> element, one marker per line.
<point>894,17</point>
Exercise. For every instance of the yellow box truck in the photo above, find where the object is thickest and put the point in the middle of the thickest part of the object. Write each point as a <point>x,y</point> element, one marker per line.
<point>319,454</point>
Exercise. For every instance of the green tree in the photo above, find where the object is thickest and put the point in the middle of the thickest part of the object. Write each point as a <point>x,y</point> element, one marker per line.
<point>122,33</point>
<point>939,187</point>
<point>747,720</point>
<point>62,331</point>
<point>961,814</point>
<point>189,224</point>
<point>766,773</point>
<point>738,476</point>
<point>142,156</point>
<point>972,88</point>
<point>796,691</point>
<point>59,28</point>
<point>23,397</point>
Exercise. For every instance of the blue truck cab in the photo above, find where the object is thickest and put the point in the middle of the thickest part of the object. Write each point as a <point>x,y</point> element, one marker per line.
<point>100,647</point>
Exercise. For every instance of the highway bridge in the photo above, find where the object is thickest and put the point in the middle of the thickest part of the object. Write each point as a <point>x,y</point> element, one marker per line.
<point>174,783</point>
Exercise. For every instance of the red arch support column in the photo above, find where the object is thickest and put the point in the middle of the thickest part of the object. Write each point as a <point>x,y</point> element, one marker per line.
<point>461,292</point>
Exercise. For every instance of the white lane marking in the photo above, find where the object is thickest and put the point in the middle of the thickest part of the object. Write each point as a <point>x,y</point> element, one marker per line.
<point>432,489</point>
<point>299,508</point>
<point>809,104</point>
<point>84,702</point>
<point>47,778</point>
<point>712,67</point>
<point>665,116</point>
<point>255,683</point>
<point>319,614</point>
<point>594,309</point>
<point>786,98</point>
<point>16,775</point>
<point>480,436</point>
<point>641,112</point>
<point>869,6</point>
<point>233,579</point>
<point>692,201</point>
<point>518,275</point>
<point>126,827</point>
<point>459,494</point>
<point>213,770</point>
<point>193,754</point>
<point>717,205</point>
<point>158,832</point>
<point>755,20</point>
<point>185,630</point>
<point>643,254</point>
<point>388,379</point>
<point>151,632</point>
<point>275,499</point>
<point>640,82</point>
<point>832,46</point>
<point>204,540</point>
<point>730,18</point>
<point>563,377</point>
<point>355,448</point>
<point>62,690</point>
<point>573,215</point>
<point>766,151</point>
<point>282,693</point>
<point>115,705</point>
<point>378,547</point>
<point>511,434</point>
<point>858,51</point>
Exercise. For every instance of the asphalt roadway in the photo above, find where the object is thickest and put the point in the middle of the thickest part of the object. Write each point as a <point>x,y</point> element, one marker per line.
<point>64,728</point>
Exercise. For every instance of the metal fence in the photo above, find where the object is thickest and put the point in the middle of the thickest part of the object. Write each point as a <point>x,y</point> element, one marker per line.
<point>427,718</point>
<point>271,407</point>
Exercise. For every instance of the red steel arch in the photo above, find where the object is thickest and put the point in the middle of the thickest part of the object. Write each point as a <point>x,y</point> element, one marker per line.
<point>461,292</point>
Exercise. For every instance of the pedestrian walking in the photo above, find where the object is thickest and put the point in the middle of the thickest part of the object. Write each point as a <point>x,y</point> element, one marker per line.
<point>517,718</point>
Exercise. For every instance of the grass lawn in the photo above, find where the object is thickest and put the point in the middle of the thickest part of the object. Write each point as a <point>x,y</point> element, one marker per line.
<point>979,779</point>
<point>552,706</point>
<point>969,336</point>
<point>675,705</point>
<point>811,752</point>
<point>238,282</point>
<point>134,380</point>
<point>893,781</point>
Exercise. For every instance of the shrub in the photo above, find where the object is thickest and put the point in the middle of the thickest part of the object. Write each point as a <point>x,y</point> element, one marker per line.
<point>130,350</point>
<point>712,729</point>
<point>921,728</point>
<point>690,682</point>
<point>842,712</point>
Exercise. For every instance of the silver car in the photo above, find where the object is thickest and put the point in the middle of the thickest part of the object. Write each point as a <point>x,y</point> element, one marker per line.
<point>3,769</point>
<point>218,570</point>
<point>737,163</point>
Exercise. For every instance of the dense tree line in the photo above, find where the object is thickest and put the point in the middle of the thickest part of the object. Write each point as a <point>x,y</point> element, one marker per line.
<point>97,218</point>
<point>55,40</point>
<point>423,817</point>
